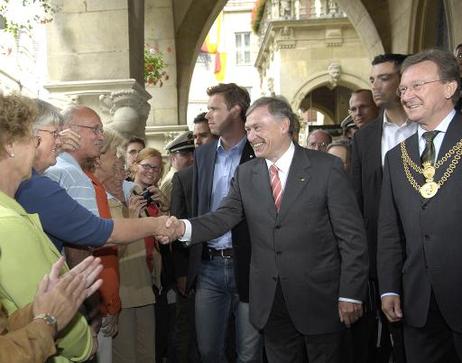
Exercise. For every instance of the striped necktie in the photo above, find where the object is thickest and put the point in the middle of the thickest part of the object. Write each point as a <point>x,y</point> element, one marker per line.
<point>276,186</point>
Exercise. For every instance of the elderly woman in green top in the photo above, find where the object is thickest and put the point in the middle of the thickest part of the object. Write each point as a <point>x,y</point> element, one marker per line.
<point>26,253</point>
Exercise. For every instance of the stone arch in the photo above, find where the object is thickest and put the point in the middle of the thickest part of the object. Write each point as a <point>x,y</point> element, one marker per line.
<point>323,79</point>
<point>425,25</point>
<point>192,27</point>
<point>364,26</point>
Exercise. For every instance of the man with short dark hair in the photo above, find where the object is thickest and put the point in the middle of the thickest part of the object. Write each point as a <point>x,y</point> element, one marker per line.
<point>219,268</point>
<point>362,107</point>
<point>134,146</point>
<point>369,147</point>
<point>419,254</point>
<point>201,131</point>
<point>181,199</point>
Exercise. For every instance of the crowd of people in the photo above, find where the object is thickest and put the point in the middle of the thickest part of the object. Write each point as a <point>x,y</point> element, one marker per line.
<point>250,248</point>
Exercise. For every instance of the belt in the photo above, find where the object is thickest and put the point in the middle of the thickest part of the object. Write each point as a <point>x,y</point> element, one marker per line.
<point>225,253</point>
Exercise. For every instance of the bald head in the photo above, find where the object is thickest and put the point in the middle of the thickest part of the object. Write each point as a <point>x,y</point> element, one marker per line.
<point>85,122</point>
<point>362,107</point>
<point>318,140</point>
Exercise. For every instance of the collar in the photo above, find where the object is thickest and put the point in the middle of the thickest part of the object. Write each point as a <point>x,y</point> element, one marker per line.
<point>443,125</point>
<point>387,123</point>
<point>239,146</point>
<point>69,159</point>
<point>283,163</point>
<point>11,203</point>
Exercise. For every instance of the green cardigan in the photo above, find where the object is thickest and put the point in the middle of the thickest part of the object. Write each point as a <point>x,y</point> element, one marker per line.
<point>26,255</point>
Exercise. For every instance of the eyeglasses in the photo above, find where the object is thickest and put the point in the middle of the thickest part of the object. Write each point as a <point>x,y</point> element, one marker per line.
<point>97,130</point>
<point>415,87</point>
<point>55,133</point>
<point>147,167</point>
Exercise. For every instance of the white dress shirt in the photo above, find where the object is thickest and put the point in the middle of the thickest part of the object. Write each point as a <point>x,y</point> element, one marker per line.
<point>393,134</point>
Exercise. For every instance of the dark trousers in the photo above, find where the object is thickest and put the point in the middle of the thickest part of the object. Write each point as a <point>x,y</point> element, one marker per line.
<point>285,344</point>
<point>435,342</point>
<point>185,330</point>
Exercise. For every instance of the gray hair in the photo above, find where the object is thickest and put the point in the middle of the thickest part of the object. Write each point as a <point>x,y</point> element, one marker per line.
<point>47,115</point>
<point>278,107</point>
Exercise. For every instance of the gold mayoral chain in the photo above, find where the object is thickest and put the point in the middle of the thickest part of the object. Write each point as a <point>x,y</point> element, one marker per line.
<point>430,188</point>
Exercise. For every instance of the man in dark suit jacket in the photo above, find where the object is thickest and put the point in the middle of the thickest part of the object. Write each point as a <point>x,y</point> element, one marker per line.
<point>419,255</point>
<point>219,269</point>
<point>308,271</point>
<point>369,146</point>
<point>181,207</point>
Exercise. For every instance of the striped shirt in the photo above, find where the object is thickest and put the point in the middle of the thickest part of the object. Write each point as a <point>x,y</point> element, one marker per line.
<point>70,176</point>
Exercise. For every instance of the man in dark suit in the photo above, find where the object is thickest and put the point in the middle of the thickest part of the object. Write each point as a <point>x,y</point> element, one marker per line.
<point>181,207</point>
<point>309,262</point>
<point>370,144</point>
<point>419,253</point>
<point>219,268</point>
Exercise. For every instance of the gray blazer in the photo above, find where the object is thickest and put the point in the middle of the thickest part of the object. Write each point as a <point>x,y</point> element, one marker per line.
<point>315,245</point>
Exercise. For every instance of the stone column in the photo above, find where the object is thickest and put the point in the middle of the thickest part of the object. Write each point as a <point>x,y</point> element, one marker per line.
<point>95,58</point>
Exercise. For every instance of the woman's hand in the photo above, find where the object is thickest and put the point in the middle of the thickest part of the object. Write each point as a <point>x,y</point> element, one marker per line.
<point>136,203</point>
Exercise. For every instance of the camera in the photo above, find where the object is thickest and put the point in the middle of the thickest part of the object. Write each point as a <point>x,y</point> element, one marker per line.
<point>147,196</point>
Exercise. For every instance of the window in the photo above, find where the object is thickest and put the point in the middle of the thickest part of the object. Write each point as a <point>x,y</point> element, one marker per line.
<point>242,48</point>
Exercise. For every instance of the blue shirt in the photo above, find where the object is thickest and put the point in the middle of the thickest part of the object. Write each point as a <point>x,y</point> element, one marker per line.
<point>63,219</point>
<point>226,163</point>
<point>70,176</point>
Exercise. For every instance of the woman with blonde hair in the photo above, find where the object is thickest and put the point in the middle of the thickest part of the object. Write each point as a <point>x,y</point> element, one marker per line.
<point>139,262</point>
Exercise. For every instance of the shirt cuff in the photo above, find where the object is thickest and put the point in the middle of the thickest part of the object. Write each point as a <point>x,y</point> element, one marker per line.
<point>186,237</point>
<point>389,294</point>
<point>344,299</point>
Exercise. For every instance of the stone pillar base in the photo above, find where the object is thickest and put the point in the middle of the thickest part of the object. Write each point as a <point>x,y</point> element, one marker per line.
<point>121,103</point>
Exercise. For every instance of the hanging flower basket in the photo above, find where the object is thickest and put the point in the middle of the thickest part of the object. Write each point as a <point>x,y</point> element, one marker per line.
<point>154,67</point>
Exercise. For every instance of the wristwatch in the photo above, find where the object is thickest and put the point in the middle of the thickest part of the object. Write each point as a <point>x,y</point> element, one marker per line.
<point>49,319</point>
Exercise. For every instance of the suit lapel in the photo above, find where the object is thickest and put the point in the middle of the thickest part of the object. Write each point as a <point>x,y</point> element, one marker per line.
<point>261,181</point>
<point>247,153</point>
<point>208,170</point>
<point>452,137</point>
<point>297,180</point>
<point>376,145</point>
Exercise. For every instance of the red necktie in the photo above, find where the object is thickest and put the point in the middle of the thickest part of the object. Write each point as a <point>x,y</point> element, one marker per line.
<point>276,186</point>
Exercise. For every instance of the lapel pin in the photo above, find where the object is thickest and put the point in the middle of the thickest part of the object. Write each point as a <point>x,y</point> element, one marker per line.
<point>302,179</point>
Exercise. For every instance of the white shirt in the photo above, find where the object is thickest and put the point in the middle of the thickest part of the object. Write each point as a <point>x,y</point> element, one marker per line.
<point>438,140</point>
<point>283,164</point>
<point>393,134</point>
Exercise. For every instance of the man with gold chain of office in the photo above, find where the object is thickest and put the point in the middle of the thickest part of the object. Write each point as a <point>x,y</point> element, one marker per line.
<point>419,255</point>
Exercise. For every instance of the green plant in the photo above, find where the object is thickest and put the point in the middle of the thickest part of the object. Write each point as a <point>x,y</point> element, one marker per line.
<point>154,66</point>
<point>23,15</point>
<point>257,14</point>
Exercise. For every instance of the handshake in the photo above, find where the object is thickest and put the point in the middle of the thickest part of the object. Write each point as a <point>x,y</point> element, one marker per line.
<point>169,229</point>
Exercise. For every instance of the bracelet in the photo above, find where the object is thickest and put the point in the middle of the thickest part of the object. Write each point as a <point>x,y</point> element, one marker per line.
<point>49,319</point>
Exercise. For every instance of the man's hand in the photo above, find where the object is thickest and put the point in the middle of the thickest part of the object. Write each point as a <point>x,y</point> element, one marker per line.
<point>391,307</point>
<point>70,140</point>
<point>170,230</point>
<point>349,312</point>
<point>109,326</point>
